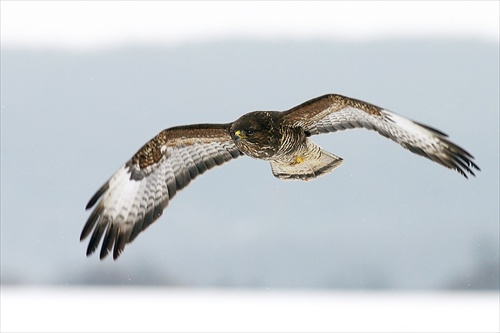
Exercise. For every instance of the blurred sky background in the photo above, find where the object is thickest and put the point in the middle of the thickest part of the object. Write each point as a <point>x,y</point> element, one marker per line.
<point>86,84</point>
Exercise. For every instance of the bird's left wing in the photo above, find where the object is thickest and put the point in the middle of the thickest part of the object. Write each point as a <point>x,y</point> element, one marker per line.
<point>331,113</point>
<point>135,196</point>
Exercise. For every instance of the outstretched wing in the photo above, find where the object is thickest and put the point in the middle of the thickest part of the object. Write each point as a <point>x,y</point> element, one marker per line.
<point>135,196</point>
<point>331,113</point>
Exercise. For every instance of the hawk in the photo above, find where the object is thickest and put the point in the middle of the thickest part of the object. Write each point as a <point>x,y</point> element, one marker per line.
<point>136,195</point>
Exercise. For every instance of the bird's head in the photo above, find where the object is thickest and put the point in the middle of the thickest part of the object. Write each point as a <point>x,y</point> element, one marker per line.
<point>257,134</point>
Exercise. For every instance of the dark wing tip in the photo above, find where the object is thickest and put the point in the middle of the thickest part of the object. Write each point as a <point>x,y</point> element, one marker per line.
<point>97,195</point>
<point>91,222</point>
<point>118,234</point>
<point>447,154</point>
<point>459,159</point>
<point>95,238</point>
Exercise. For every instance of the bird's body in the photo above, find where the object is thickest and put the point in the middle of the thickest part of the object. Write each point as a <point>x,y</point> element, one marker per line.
<point>286,145</point>
<point>137,193</point>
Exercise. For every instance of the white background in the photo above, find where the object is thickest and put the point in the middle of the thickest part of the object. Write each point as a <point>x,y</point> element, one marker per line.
<point>96,24</point>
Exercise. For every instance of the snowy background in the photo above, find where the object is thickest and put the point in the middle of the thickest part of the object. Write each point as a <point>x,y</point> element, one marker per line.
<point>180,310</point>
<point>85,84</point>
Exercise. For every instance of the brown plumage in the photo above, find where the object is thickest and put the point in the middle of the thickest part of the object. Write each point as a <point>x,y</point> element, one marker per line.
<point>135,196</point>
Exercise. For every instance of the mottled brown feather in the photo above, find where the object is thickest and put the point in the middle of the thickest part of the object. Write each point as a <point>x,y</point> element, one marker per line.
<point>151,152</point>
<point>317,108</point>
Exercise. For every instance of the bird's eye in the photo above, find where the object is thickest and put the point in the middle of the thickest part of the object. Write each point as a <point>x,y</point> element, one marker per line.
<point>249,131</point>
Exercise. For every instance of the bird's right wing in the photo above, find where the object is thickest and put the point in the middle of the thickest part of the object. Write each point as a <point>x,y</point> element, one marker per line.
<point>135,196</point>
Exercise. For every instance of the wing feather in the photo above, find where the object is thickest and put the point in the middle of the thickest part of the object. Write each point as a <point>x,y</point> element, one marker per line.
<point>331,113</point>
<point>136,195</point>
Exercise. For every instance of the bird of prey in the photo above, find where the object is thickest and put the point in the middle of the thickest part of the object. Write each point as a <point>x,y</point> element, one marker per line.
<point>136,195</point>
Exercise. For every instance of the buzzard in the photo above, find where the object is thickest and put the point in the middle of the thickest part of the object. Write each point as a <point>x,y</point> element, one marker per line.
<point>136,195</point>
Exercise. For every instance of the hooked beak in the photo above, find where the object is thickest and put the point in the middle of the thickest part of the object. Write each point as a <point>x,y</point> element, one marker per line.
<point>237,135</point>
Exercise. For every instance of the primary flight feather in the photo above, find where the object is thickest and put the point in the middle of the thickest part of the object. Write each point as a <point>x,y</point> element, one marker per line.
<point>136,195</point>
